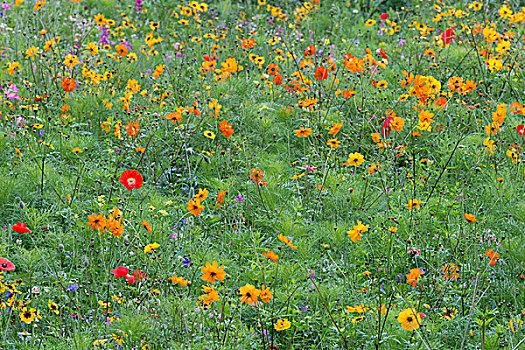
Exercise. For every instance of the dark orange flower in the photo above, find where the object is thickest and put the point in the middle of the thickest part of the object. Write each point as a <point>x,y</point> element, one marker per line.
<point>493,256</point>
<point>69,84</point>
<point>310,51</point>
<point>257,175</point>
<point>470,217</point>
<point>271,255</point>
<point>272,69</point>
<point>321,73</point>
<point>226,128</point>
<point>220,196</point>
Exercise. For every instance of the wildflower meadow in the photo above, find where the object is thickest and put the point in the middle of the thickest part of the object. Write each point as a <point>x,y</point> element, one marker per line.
<point>262,174</point>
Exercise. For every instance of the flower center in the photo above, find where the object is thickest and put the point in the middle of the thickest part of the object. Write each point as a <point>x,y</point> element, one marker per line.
<point>131,181</point>
<point>409,319</point>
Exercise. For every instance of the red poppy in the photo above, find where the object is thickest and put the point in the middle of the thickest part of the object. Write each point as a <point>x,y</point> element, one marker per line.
<point>139,275</point>
<point>384,16</point>
<point>20,228</point>
<point>448,36</point>
<point>69,84</point>
<point>131,279</point>
<point>382,52</point>
<point>209,58</point>
<point>521,129</point>
<point>120,271</point>
<point>131,179</point>
<point>385,128</point>
<point>39,98</point>
<point>6,265</point>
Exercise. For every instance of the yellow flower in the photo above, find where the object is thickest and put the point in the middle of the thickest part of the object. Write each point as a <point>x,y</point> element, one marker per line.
<point>414,204</point>
<point>282,325</point>
<point>249,294</point>
<point>370,23</point>
<point>71,61</point>
<point>449,313</point>
<point>150,247</point>
<point>357,232</point>
<point>515,324</point>
<point>355,159</point>
<point>476,6</point>
<point>409,319</point>
<point>209,134</point>
<point>92,48</point>
<point>333,143</point>
<point>32,51</point>
<point>28,315</point>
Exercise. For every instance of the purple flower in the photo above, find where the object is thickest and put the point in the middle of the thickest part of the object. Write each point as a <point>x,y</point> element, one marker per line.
<point>239,198</point>
<point>186,263</point>
<point>138,5</point>
<point>72,287</point>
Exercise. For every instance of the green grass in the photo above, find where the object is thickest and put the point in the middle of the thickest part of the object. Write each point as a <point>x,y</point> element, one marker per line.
<point>449,169</point>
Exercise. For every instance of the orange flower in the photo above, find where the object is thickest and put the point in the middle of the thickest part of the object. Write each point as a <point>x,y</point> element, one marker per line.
<point>220,196</point>
<point>257,175</point>
<point>336,127</point>
<point>286,241</point>
<point>122,50</point>
<point>195,207</point>
<point>226,128</point>
<point>202,195</point>
<point>178,280</point>
<point>146,225</point>
<point>132,128</point>
<point>271,255</point>
<point>493,256</point>
<point>349,94</point>
<point>248,43</point>
<point>96,221</point>
<point>450,271</point>
<point>249,294</point>
<point>470,217</point>
<point>302,132</point>
<point>413,276</point>
<point>212,272</point>
<point>354,64</point>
